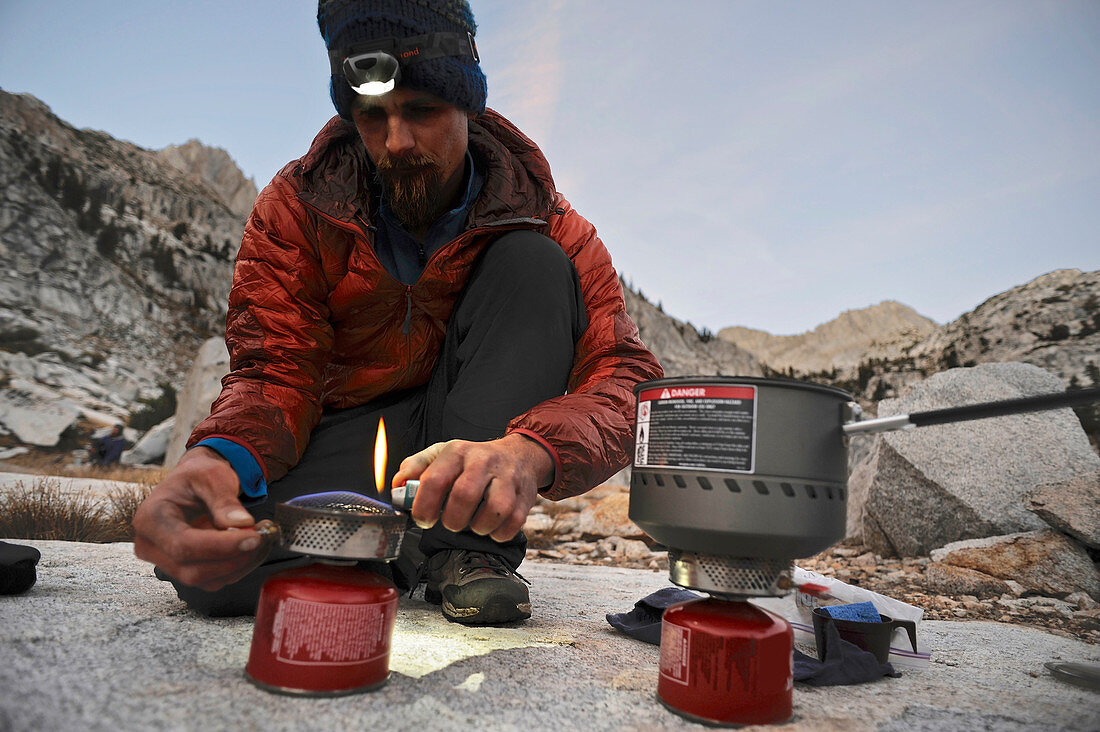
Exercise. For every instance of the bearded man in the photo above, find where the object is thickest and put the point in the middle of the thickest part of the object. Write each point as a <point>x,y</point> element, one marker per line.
<point>419,264</point>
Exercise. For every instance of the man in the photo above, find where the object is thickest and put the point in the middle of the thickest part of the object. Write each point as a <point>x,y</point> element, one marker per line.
<point>107,450</point>
<point>418,264</point>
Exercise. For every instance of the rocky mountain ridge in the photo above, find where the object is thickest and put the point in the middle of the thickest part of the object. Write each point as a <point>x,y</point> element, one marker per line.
<point>681,348</point>
<point>214,167</point>
<point>879,352</point>
<point>115,267</point>
<point>1052,322</point>
<point>843,342</point>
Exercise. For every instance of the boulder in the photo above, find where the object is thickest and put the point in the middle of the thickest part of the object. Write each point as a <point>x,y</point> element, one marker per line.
<point>935,485</point>
<point>609,516</point>
<point>947,579</point>
<point>201,388</point>
<point>1044,562</point>
<point>620,479</point>
<point>1071,506</point>
<point>20,365</point>
<point>151,447</point>
<point>34,415</point>
<point>859,484</point>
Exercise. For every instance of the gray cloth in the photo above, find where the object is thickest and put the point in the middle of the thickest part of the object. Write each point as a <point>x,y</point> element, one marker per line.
<point>644,621</point>
<point>845,664</point>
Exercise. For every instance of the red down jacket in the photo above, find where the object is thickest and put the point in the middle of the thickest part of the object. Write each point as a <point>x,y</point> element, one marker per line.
<point>315,320</point>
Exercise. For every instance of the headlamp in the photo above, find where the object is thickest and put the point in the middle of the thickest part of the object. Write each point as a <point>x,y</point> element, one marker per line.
<point>374,67</point>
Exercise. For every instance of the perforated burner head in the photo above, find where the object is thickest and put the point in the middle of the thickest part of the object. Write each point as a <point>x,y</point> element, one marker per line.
<point>736,576</point>
<point>341,525</point>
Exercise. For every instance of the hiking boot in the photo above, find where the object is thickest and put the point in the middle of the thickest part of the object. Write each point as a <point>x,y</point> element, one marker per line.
<point>475,588</point>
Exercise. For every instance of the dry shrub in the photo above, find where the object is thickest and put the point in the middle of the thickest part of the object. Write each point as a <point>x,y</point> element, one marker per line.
<point>124,503</point>
<point>44,511</point>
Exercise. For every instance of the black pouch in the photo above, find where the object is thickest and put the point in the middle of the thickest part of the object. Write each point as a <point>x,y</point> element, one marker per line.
<point>17,568</point>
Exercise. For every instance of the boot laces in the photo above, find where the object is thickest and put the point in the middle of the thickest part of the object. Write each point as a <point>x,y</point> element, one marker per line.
<point>469,561</point>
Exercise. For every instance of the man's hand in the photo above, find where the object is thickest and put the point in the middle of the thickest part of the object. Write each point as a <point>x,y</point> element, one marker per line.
<point>193,527</point>
<point>488,486</point>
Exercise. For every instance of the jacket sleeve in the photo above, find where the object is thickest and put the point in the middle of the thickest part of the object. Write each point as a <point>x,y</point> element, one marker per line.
<point>278,336</point>
<point>590,430</point>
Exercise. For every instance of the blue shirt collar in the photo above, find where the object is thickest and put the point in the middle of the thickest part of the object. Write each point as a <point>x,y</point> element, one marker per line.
<point>471,186</point>
<point>399,251</point>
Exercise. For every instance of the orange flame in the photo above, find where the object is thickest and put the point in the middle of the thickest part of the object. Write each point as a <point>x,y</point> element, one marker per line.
<point>380,456</point>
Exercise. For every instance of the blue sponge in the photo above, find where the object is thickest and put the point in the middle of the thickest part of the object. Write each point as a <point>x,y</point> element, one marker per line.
<point>861,612</point>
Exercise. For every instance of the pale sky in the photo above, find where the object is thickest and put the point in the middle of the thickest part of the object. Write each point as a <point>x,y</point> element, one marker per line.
<point>766,164</point>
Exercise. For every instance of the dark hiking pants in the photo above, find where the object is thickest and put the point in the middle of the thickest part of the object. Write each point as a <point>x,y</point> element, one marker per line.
<point>508,346</point>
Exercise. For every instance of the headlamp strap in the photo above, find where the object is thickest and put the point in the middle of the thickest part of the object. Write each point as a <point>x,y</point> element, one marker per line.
<point>409,50</point>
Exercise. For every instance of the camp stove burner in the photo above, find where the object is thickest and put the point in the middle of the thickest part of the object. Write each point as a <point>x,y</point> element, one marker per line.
<point>737,576</point>
<point>325,629</point>
<point>341,525</point>
<point>724,661</point>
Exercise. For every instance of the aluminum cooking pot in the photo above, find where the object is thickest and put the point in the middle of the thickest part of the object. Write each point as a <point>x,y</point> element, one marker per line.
<point>755,467</point>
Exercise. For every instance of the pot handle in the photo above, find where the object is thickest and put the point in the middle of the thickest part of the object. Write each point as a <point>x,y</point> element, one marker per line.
<point>910,628</point>
<point>984,410</point>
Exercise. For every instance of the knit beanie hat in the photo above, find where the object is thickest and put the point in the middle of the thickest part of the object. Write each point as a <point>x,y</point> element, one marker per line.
<point>455,79</point>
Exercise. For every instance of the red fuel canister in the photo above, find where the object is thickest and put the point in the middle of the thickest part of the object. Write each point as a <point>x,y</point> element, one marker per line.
<point>726,662</point>
<point>323,630</point>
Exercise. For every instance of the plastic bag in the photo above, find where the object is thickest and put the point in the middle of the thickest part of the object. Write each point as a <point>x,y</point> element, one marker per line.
<point>799,606</point>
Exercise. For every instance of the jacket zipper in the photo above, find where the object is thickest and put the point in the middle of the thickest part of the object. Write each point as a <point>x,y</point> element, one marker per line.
<point>471,233</point>
<point>408,312</point>
<point>365,229</point>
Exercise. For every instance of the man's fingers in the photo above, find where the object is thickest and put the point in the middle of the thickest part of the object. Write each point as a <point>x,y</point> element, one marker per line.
<point>496,506</point>
<point>412,466</point>
<point>485,486</point>
<point>509,528</point>
<point>467,492</point>
<point>193,526</point>
<point>222,504</point>
<point>436,483</point>
<point>199,545</point>
<point>212,576</point>
<point>206,558</point>
<point>228,512</point>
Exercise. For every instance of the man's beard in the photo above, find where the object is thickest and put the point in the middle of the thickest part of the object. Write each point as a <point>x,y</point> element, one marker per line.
<point>413,188</point>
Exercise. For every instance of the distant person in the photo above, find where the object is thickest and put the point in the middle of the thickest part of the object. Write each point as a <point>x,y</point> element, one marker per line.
<point>107,449</point>
<point>417,262</point>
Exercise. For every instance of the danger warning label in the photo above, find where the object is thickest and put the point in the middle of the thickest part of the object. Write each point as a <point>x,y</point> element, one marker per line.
<point>699,427</point>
